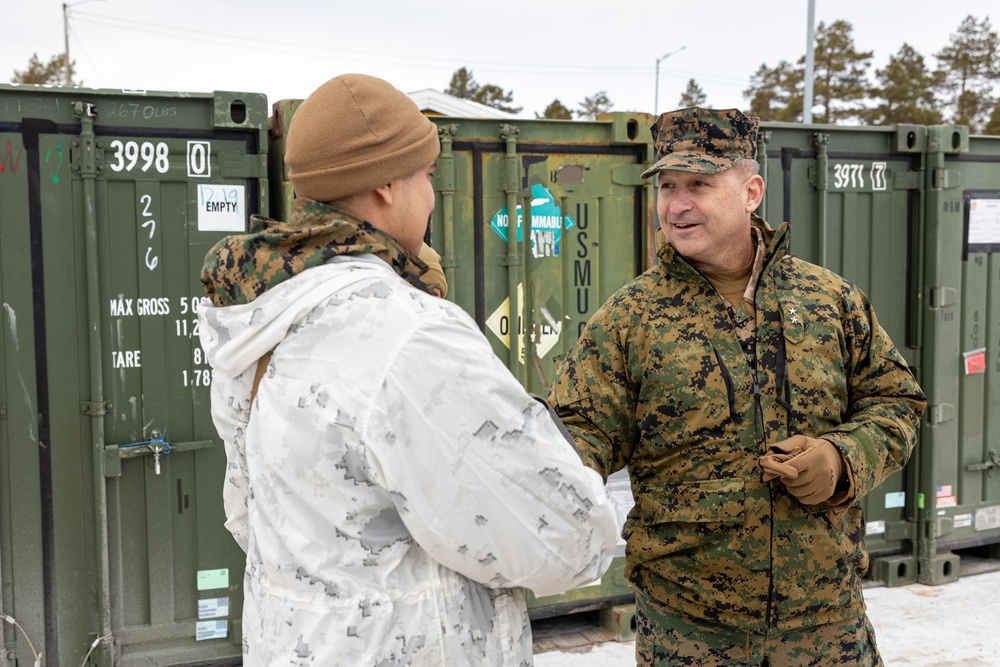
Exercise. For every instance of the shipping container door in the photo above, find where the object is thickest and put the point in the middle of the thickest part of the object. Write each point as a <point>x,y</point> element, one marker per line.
<point>131,190</point>
<point>960,479</point>
<point>852,199</point>
<point>23,458</point>
<point>575,188</point>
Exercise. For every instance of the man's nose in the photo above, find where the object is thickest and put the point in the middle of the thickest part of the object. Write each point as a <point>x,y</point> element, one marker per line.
<point>679,202</point>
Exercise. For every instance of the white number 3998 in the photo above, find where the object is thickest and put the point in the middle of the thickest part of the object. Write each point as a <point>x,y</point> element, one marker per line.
<point>127,156</point>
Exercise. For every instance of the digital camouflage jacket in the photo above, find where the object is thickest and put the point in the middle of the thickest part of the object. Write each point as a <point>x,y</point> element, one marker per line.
<point>659,383</point>
<point>394,486</point>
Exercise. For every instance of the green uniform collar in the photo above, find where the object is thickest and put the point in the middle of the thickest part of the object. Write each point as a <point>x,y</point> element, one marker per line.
<point>241,267</point>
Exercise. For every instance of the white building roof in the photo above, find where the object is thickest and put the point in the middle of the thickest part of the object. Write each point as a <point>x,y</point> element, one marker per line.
<point>435,102</point>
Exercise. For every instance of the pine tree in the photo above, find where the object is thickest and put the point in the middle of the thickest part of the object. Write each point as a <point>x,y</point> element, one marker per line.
<point>970,67</point>
<point>494,96</point>
<point>53,71</point>
<point>775,94</point>
<point>693,95</point>
<point>905,91</point>
<point>993,126</point>
<point>464,85</point>
<point>556,111</point>
<point>840,81</point>
<point>597,103</point>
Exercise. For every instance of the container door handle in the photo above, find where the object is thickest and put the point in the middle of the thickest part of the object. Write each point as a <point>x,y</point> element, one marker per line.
<point>990,465</point>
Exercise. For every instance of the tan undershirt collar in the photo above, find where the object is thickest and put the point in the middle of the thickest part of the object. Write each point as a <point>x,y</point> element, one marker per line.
<point>732,285</point>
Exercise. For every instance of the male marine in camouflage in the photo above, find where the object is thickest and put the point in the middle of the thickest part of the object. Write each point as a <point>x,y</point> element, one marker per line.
<point>754,399</point>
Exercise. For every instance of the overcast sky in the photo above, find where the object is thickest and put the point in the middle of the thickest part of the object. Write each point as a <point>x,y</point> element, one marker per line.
<point>539,49</point>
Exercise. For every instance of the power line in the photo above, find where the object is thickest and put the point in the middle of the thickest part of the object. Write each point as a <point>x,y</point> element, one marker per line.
<point>276,46</point>
<point>79,44</point>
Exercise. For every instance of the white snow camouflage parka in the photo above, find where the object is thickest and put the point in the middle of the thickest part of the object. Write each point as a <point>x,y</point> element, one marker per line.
<point>393,486</point>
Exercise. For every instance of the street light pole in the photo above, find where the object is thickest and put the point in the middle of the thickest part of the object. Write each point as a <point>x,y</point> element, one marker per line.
<point>807,98</point>
<point>66,38</point>
<point>656,102</point>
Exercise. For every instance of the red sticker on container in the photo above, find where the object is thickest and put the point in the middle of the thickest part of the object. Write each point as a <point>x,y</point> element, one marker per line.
<point>975,361</point>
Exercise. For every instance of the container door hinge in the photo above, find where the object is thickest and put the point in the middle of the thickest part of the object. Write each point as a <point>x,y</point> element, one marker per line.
<point>3,412</point>
<point>941,297</point>
<point>510,260</point>
<point>989,466</point>
<point>629,174</point>
<point>235,165</point>
<point>96,409</point>
<point>945,179</point>
<point>941,413</point>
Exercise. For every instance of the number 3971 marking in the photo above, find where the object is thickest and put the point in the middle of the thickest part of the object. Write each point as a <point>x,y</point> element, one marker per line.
<point>852,175</point>
<point>127,156</point>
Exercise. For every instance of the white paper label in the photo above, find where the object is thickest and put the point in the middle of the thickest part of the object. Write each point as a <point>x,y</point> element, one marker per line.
<point>896,499</point>
<point>221,208</point>
<point>875,528</point>
<point>213,608</point>
<point>984,221</point>
<point>988,518</point>
<point>211,630</point>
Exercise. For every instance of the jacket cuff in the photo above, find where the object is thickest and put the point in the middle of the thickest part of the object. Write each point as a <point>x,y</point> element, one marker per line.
<point>861,466</point>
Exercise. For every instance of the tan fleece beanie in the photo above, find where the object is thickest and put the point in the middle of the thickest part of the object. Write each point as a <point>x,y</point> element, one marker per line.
<point>354,134</point>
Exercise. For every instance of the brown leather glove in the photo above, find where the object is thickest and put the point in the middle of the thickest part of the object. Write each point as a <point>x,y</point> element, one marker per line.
<point>433,277</point>
<point>810,468</point>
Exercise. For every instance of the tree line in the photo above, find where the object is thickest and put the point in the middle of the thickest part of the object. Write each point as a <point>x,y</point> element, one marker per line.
<point>961,89</point>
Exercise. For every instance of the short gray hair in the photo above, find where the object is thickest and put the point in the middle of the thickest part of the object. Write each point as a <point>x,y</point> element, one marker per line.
<point>748,167</point>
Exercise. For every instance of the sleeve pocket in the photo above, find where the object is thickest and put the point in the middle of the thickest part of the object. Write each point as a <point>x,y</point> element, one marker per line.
<point>712,501</point>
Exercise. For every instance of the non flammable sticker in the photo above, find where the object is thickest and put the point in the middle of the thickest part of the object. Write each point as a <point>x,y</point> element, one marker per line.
<point>547,223</point>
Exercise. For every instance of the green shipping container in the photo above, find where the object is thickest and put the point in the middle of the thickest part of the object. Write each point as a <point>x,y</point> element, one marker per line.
<point>852,198</point>
<point>960,448</point>
<point>111,522</point>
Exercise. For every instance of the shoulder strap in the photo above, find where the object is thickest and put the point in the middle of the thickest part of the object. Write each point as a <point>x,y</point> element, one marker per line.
<point>259,374</point>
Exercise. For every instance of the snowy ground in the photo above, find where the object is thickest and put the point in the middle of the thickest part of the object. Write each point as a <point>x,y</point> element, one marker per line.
<point>955,625</point>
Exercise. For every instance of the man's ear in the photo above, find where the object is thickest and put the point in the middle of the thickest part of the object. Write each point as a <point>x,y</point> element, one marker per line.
<point>754,193</point>
<point>385,193</point>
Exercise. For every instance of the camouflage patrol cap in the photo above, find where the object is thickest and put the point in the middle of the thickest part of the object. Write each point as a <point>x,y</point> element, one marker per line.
<point>703,141</point>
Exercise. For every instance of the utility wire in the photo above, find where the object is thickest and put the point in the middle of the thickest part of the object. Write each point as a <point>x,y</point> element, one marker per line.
<point>276,46</point>
<point>79,45</point>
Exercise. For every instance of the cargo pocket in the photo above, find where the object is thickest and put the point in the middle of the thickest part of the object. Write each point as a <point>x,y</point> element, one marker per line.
<point>711,501</point>
<point>675,517</point>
